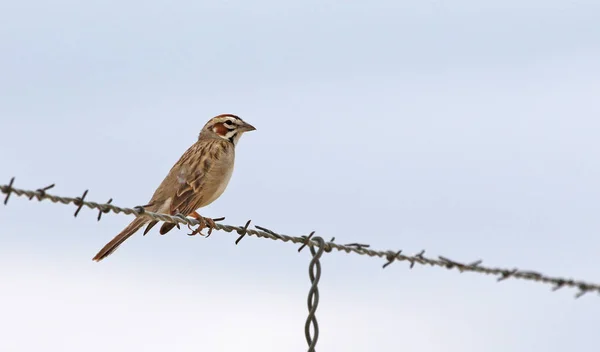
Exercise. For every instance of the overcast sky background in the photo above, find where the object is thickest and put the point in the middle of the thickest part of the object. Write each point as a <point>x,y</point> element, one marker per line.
<point>466,128</point>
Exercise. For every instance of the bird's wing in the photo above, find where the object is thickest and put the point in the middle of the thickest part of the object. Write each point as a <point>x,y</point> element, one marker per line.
<point>192,177</point>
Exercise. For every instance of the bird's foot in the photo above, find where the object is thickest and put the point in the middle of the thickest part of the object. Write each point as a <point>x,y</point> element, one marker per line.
<point>203,223</point>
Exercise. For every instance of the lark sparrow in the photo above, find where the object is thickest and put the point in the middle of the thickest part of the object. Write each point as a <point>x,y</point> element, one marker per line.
<point>198,178</point>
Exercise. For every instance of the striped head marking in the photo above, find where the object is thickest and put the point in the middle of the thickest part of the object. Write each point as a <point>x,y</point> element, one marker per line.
<point>228,126</point>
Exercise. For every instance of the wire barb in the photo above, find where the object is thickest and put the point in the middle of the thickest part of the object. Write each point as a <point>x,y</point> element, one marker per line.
<point>271,234</point>
<point>357,245</point>
<point>105,210</point>
<point>261,232</point>
<point>460,266</point>
<point>79,201</point>
<point>314,272</point>
<point>391,257</point>
<point>41,192</point>
<point>306,241</point>
<point>505,274</point>
<point>8,190</point>
<point>242,232</point>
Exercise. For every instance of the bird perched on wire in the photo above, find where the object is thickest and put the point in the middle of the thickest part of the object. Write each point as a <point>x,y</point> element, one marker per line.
<point>197,179</point>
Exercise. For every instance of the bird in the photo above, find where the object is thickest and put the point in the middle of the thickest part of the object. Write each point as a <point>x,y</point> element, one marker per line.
<point>197,179</point>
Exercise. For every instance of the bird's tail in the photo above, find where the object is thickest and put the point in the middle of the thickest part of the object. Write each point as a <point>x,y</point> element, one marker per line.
<point>120,238</point>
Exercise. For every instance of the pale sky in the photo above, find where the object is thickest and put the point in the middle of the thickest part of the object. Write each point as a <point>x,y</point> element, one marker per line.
<point>466,128</point>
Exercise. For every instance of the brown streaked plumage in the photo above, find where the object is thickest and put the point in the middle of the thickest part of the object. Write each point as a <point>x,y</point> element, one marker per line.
<point>197,179</point>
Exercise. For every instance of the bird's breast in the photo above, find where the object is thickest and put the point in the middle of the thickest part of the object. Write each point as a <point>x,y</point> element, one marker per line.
<point>218,179</point>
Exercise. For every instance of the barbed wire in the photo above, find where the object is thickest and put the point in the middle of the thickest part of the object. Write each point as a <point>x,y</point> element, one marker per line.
<point>311,241</point>
<point>356,248</point>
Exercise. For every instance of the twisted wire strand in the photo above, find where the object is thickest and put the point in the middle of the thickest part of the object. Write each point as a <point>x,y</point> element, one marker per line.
<point>314,273</point>
<point>356,248</point>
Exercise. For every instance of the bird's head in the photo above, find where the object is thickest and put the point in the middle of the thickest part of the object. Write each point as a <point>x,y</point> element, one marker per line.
<point>227,126</point>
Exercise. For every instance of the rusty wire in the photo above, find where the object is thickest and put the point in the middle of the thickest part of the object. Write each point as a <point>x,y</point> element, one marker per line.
<point>391,256</point>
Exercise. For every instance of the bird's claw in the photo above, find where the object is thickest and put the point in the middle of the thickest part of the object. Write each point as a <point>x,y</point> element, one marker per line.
<point>196,231</point>
<point>203,223</point>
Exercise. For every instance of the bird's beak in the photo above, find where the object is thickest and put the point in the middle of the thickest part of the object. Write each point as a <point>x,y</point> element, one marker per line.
<point>246,127</point>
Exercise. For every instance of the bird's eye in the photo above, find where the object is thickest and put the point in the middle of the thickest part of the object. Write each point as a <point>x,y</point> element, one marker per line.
<point>228,123</point>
